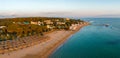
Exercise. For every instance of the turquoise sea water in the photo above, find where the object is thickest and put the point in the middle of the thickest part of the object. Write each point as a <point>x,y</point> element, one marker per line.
<point>93,41</point>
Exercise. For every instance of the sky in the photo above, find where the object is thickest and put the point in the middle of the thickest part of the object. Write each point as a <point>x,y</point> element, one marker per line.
<point>60,8</point>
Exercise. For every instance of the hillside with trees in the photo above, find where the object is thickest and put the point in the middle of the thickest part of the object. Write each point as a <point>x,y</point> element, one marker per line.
<point>13,28</point>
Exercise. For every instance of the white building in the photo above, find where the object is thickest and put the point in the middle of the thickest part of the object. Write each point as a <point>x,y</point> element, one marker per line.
<point>48,22</point>
<point>50,27</point>
<point>34,22</point>
<point>40,23</point>
<point>67,19</point>
<point>60,23</point>
<point>73,27</point>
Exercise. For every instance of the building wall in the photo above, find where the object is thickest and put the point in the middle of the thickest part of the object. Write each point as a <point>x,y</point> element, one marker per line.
<point>36,23</point>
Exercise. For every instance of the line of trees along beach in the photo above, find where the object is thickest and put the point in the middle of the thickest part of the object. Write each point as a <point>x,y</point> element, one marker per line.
<point>13,28</point>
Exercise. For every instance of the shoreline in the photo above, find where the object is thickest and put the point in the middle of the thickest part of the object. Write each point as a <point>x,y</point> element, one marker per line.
<point>45,48</point>
<point>52,48</point>
<point>63,41</point>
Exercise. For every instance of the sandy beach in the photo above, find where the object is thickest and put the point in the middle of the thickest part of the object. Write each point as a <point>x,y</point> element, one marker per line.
<point>45,48</point>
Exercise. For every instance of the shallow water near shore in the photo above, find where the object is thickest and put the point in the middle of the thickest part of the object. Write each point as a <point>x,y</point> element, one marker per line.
<point>93,41</point>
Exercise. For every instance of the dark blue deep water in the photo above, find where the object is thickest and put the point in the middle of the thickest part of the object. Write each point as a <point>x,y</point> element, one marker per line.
<point>93,41</point>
